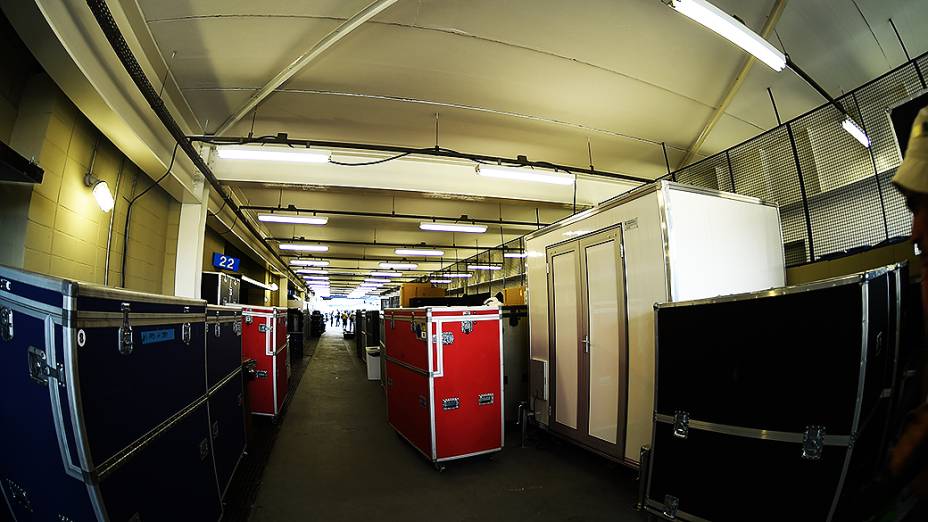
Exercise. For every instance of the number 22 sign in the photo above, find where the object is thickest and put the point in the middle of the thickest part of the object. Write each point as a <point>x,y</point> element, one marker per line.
<point>225,262</point>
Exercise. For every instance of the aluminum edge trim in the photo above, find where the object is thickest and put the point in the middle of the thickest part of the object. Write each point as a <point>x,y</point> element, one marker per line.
<point>657,509</point>
<point>466,455</point>
<point>401,434</point>
<point>861,379</point>
<point>683,187</point>
<point>428,345</point>
<point>773,292</point>
<point>56,284</point>
<point>8,505</point>
<point>72,372</point>
<point>502,387</point>
<point>30,307</point>
<point>120,294</point>
<point>754,433</point>
<point>274,384</point>
<point>664,217</point>
<point>615,201</point>
<point>212,455</point>
<point>647,490</point>
<point>54,395</point>
<point>406,365</point>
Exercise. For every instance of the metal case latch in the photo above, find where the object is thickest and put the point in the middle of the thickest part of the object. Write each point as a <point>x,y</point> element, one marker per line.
<point>671,505</point>
<point>681,424</point>
<point>813,442</point>
<point>484,399</point>
<point>237,327</point>
<point>263,328</point>
<point>452,403</point>
<point>185,333</point>
<point>467,326</point>
<point>125,331</point>
<point>217,330</point>
<point>6,324</point>
<point>40,371</point>
<point>204,449</point>
<point>446,338</point>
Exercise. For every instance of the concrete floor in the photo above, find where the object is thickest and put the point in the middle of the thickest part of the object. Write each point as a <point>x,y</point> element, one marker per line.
<point>336,458</point>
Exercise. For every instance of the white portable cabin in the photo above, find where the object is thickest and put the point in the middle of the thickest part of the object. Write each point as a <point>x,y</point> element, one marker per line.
<point>593,281</point>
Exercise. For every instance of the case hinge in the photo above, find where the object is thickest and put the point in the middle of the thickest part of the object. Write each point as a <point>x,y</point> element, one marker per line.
<point>671,505</point>
<point>249,319</point>
<point>6,324</point>
<point>446,338</point>
<point>451,403</point>
<point>813,442</point>
<point>39,369</point>
<point>681,424</point>
<point>125,331</point>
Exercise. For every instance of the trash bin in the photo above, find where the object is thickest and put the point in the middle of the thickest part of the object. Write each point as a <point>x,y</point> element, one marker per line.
<point>373,363</point>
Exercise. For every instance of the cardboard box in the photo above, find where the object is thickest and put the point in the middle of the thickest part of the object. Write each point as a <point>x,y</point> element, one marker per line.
<point>514,295</point>
<point>411,290</point>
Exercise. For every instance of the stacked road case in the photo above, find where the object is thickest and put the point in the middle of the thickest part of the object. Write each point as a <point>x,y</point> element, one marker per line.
<point>265,340</point>
<point>225,383</point>
<point>219,288</point>
<point>515,350</point>
<point>444,379</point>
<point>105,416</point>
<point>775,405</point>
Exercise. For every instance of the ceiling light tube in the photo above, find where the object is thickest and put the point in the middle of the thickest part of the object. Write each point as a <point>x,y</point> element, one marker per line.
<point>316,278</point>
<point>452,227</point>
<point>518,255</point>
<point>278,154</point>
<point>418,252</point>
<point>458,276</point>
<point>386,274</point>
<point>303,247</point>
<point>311,271</point>
<point>484,267</point>
<point>308,262</point>
<point>732,30</point>
<point>855,130</point>
<point>399,266</point>
<point>376,280</point>
<point>439,281</point>
<point>524,174</point>
<point>296,220</point>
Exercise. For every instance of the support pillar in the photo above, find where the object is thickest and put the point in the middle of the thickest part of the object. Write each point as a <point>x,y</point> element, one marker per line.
<point>191,230</point>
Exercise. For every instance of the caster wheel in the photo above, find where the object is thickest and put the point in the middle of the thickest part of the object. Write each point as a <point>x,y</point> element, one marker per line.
<point>439,467</point>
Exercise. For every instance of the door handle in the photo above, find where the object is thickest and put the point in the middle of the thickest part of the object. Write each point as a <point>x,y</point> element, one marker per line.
<point>586,343</point>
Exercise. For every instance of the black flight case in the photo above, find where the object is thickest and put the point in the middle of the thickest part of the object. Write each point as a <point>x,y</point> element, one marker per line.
<point>774,405</point>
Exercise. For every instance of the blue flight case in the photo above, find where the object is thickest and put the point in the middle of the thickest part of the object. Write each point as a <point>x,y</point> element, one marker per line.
<point>226,390</point>
<point>105,409</point>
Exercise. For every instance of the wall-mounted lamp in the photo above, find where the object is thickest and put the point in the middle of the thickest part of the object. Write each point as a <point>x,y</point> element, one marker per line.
<point>101,192</point>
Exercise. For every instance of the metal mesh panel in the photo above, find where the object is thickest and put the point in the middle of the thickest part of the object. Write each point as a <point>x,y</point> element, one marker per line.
<point>711,173</point>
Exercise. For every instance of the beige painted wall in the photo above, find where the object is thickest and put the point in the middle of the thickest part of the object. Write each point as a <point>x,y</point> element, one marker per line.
<point>66,232</point>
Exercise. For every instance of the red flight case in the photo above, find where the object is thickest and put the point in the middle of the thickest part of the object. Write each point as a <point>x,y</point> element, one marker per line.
<point>264,339</point>
<point>444,379</point>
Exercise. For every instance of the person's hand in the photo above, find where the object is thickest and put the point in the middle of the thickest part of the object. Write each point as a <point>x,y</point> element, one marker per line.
<point>913,444</point>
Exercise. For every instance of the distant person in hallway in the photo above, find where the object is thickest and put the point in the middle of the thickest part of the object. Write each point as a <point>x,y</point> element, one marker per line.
<point>909,458</point>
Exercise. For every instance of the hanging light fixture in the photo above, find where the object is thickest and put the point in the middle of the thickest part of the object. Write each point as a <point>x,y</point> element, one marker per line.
<point>279,154</point>
<point>524,174</point>
<point>296,220</point>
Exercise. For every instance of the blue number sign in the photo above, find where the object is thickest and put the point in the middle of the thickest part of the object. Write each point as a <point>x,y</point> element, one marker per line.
<point>224,262</point>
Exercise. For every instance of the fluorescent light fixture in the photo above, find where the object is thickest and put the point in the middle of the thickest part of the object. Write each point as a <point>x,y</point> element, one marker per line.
<point>376,280</point>
<point>272,287</point>
<point>296,220</point>
<point>439,281</point>
<point>303,247</point>
<point>311,271</point>
<point>484,267</point>
<point>525,174</point>
<point>398,266</point>
<point>854,130</point>
<point>386,274</point>
<point>279,154</point>
<point>460,275</point>
<point>452,227</point>
<point>519,255</point>
<point>417,252</point>
<point>732,30</point>
<point>308,262</point>
<point>316,278</point>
